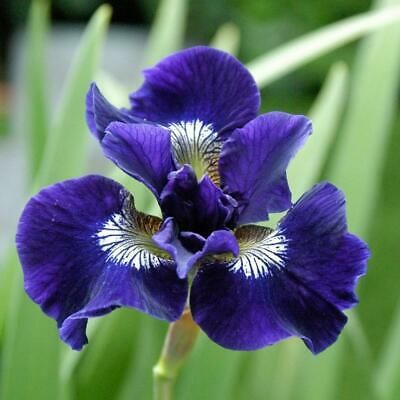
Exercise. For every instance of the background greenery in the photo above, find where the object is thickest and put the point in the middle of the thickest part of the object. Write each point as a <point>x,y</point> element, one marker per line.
<point>350,89</point>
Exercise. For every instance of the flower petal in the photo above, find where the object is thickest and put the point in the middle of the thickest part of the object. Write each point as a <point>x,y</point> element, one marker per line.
<point>198,84</point>
<point>328,258</point>
<point>254,160</point>
<point>99,112</point>
<point>187,248</point>
<point>142,151</point>
<point>200,207</point>
<point>85,251</point>
<point>293,281</point>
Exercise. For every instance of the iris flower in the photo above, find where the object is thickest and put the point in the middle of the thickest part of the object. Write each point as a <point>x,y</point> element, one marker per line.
<point>193,137</point>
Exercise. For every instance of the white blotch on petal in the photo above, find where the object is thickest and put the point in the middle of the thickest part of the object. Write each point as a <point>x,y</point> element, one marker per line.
<point>197,144</point>
<point>260,257</point>
<point>125,242</point>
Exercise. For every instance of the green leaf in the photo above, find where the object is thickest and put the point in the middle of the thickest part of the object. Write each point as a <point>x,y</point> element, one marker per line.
<point>168,30</point>
<point>387,371</point>
<point>36,127</point>
<point>219,370</point>
<point>362,145</point>
<point>298,52</point>
<point>31,345</point>
<point>8,270</point>
<point>30,354</point>
<point>380,307</point>
<point>227,38</point>
<point>138,378</point>
<point>66,149</point>
<point>36,117</point>
<point>326,114</point>
<point>105,365</point>
<point>357,166</point>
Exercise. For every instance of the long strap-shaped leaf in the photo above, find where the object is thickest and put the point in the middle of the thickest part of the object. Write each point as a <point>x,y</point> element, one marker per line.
<point>227,38</point>
<point>69,130</point>
<point>357,168</point>
<point>168,30</point>
<point>298,52</point>
<point>36,121</point>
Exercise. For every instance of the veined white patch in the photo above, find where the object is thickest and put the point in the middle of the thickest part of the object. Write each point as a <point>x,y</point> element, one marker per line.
<point>262,257</point>
<point>197,144</point>
<point>125,244</point>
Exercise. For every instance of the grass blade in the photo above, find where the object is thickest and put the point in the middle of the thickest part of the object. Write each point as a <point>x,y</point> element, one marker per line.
<point>36,127</point>
<point>219,370</point>
<point>326,114</point>
<point>65,155</point>
<point>227,38</point>
<point>298,52</point>
<point>387,372</point>
<point>168,30</point>
<point>357,169</point>
<point>361,148</point>
<point>35,78</point>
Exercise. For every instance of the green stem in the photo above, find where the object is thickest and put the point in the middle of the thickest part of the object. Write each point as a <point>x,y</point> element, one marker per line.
<point>179,340</point>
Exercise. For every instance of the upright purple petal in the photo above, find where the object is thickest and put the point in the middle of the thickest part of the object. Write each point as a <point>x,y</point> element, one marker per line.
<point>176,199</point>
<point>85,251</point>
<point>254,160</point>
<point>198,84</point>
<point>296,280</point>
<point>214,208</point>
<point>142,151</point>
<point>100,113</point>
<point>200,207</point>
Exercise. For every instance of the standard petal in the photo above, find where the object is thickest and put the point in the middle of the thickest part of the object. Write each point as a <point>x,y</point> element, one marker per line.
<point>254,160</point>
<point>198,84</point>
<point>215,209</point>
<point>200,207</point>
<point>142,151</point>
<point>295,280</point>
<point>187,248</point>
<point>85,251</point>
<point>100,113</point>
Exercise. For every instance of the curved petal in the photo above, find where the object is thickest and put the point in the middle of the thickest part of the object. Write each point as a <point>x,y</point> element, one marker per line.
<point>100,113</point>
<point>198,84</point>
<point>295,280</point>
<point>200,207</point>
<point>341,256</point>
<point>254,160</point>
<point>176,199</point>
<point>85,251</point>
<point>142,151</point>
<point>187,248</point>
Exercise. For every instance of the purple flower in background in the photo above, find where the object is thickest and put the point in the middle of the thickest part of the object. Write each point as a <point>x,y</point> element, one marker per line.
<point>192,136</point>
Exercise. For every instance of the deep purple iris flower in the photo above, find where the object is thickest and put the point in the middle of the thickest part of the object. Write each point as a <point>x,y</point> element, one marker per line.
<point>193,137</point>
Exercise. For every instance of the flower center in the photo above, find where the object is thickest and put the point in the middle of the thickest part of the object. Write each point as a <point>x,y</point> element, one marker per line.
<point>197,144</point>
